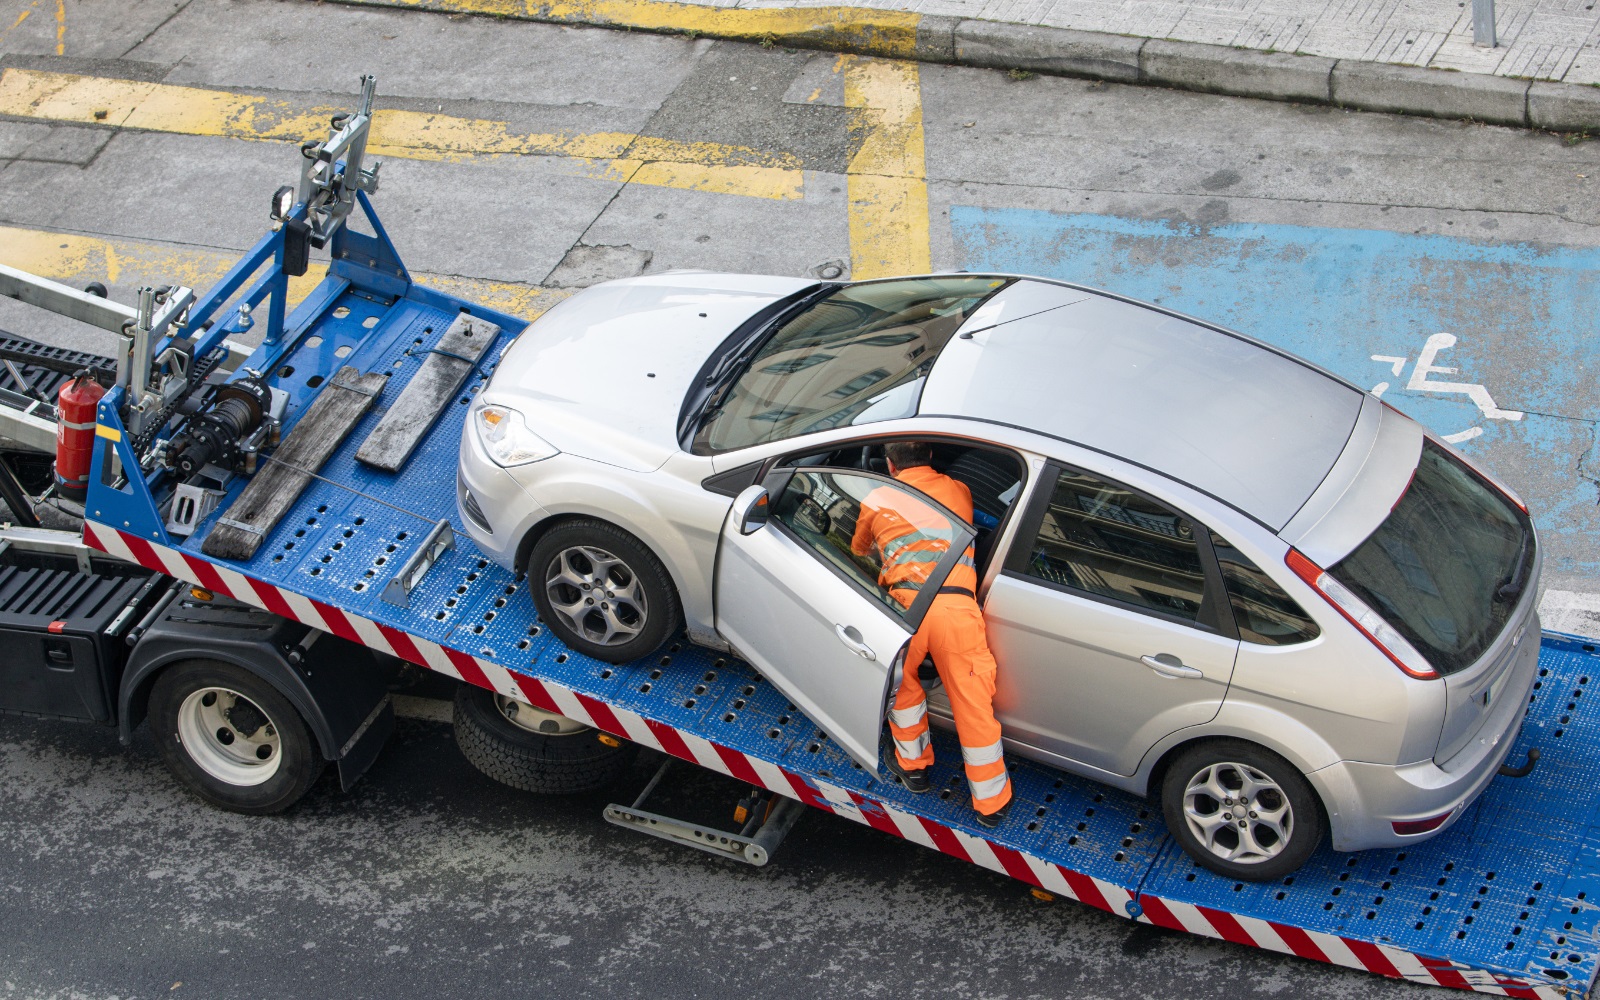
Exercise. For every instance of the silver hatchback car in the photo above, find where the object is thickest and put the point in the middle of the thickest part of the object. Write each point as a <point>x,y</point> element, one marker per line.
<point>1210,571</point>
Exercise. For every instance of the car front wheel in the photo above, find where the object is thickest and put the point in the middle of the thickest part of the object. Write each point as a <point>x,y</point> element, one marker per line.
<point>601,591</point>
<point>1241,810</point>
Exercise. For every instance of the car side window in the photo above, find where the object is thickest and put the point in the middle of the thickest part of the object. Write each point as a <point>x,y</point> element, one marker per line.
<point>1110,542</point>
<point>1263,612</point>
<point>885,538</point>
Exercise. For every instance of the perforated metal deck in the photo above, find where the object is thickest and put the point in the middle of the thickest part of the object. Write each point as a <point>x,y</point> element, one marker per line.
<point>1504,902</point>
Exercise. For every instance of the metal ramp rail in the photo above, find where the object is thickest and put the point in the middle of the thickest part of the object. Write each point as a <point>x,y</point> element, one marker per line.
<point>1500,903</point>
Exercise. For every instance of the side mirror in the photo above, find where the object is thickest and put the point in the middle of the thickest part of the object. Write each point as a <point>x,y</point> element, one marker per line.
<point>751,509</point>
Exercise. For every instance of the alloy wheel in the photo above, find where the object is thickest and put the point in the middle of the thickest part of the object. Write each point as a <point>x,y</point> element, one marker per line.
<point>1238,813</point>
<point>596,595</point>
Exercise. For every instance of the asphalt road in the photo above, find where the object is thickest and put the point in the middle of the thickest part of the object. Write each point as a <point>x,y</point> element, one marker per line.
<point>139,142</point>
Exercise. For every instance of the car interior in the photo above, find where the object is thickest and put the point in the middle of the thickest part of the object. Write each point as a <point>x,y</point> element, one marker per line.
<point>993,475</point>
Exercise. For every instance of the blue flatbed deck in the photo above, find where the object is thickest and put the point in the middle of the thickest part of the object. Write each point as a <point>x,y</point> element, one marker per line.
<point>1505,902</point>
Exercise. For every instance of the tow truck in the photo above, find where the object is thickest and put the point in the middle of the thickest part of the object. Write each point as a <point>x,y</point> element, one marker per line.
<point>248,577</point>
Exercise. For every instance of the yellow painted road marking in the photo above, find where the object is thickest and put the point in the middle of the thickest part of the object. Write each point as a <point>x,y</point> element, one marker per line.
<point>78,260</point>
<point>61,27</point>
<point>891,33</point>
<point>887,178</point>
<point>613,156</point>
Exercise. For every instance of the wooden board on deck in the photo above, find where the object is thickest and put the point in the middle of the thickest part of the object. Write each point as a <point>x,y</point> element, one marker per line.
<point>431,389</point>
<point>281,479</point>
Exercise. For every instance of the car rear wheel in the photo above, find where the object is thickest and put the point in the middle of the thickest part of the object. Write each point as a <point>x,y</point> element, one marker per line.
<point>602,591</point>
<point>1241,810</point>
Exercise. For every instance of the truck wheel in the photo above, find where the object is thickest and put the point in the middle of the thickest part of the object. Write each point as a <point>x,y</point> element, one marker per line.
<point>602,591</point>
<point>536,751</point>
<point>231,738</point>
<point>1241,810</point>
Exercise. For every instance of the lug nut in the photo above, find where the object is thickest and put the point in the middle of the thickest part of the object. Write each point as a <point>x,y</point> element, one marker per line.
<point>1227,802</point>
<point>1242,824</point>
<point>1227,815</point>
<point>1252,814</point>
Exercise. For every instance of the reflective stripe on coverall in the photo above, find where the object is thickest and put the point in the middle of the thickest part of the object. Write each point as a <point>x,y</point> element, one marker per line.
<point>952,631</point>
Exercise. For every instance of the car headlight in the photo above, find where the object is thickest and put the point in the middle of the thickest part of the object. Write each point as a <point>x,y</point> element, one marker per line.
<point>505,436</point>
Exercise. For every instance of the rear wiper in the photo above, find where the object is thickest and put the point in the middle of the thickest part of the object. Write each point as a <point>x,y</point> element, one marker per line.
<point>1512,588</point>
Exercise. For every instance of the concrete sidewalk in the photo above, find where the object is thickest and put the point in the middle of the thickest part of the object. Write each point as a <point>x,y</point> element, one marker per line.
<point>1406,56</point>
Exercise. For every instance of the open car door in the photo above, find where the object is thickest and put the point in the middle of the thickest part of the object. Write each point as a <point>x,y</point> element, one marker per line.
<point>821,620</point>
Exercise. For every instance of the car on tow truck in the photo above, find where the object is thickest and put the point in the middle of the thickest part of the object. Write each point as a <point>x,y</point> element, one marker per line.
<point>1211,571</point>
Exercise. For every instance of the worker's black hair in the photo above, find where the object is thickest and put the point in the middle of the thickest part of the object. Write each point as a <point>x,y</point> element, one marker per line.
<point>908,454</point>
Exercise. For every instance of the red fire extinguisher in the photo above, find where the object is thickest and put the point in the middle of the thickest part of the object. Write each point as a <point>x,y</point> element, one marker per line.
<point>75,419</point>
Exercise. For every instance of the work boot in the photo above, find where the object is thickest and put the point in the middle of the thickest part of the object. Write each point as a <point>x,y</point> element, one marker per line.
<point>915,781</point>
<point>995,818</point>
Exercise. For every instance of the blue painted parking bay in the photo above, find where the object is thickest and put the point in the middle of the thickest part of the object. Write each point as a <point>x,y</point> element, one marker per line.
<point>1505,901</point>
<point>1492,345</point>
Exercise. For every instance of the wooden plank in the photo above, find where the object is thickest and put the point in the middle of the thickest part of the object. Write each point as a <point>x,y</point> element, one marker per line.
<point>247,522</point>
<point>430,390</point>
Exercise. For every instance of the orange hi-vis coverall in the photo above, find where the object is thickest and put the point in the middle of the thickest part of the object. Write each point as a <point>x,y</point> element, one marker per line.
<point>952,631</point>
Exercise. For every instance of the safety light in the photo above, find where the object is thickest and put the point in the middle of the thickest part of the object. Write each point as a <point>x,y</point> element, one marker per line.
<point>282,202</point>
<point>1369,622</point>
<point>505,436</point>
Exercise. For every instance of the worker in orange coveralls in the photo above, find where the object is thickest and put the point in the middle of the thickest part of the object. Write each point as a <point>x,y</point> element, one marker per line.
<point>952,630</point>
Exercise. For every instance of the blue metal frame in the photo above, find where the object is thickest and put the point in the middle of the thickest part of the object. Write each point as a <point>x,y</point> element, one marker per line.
<point>358,261</point>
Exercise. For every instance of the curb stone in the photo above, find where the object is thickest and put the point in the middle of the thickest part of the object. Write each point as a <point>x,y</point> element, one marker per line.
<point>1563,107</point>
<point>1431,92</point>
<point>1196,66</point>
<point>1240,72</point>
<point>997,45</point>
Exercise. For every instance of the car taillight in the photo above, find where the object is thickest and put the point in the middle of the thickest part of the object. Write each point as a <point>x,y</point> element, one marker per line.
<point>1369,622</point>
<point>1412,827</point>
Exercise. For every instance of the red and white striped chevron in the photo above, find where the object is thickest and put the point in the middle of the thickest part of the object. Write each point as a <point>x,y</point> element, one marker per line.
<point>1382,959</point>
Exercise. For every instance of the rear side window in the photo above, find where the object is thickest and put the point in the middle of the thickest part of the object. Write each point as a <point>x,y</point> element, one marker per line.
<point>1448,565</point>
<point>1110,542</point>
<point>1262,611</point>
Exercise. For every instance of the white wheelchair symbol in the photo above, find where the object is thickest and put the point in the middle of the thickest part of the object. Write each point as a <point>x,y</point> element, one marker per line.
<point>1420,382</point>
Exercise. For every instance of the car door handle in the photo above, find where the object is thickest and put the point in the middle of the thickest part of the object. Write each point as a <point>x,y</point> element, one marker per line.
<point>1168,665</point>
<point>851,637</point>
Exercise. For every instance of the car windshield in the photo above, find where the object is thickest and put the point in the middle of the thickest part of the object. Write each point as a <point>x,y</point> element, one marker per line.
<point>1448,565</point>
<point>855,356</point>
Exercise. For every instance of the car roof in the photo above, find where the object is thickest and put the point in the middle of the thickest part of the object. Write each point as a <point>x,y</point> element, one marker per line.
<point>1250,425</point>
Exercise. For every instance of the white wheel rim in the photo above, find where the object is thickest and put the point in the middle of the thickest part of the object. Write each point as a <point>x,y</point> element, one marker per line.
<point>536,720</point>
<point>1238,813</point>
<point>229,736</point>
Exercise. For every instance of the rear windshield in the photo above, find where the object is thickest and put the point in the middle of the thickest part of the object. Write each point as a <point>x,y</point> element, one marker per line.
<point>1449,564</point>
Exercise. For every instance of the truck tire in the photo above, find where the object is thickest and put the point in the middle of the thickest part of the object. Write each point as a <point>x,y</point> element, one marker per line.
<point>564,759</point>
<point>230,738</point>
<point>1241,810</point>
<point>602,591</point>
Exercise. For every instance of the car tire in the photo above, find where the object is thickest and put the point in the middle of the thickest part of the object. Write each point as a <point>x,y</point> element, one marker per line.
<point>1274,841</point>
<point>588,553</point>
<point>231,738</point>
<point>572,758</point>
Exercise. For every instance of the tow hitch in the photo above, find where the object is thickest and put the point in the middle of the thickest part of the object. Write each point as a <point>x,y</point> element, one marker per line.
<point>1525,769</point>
